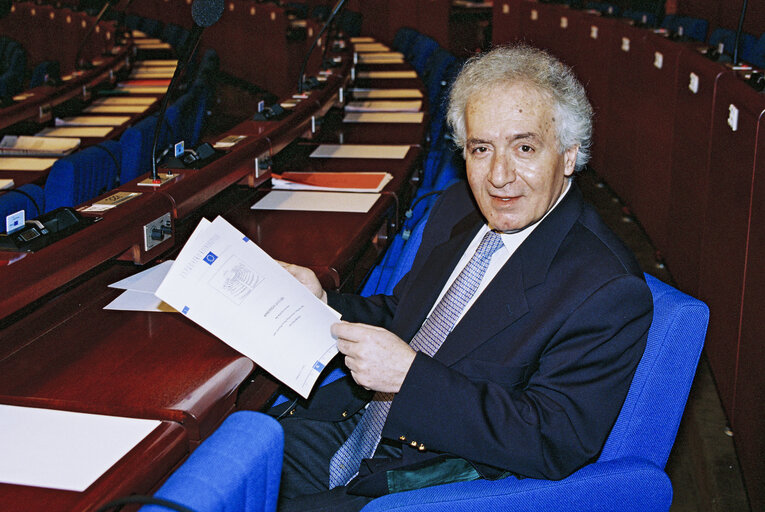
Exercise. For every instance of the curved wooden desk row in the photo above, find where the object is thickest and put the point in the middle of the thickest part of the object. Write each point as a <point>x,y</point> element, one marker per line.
<point>68,353</point>
<point>681,139</point>
<point>38,103</point>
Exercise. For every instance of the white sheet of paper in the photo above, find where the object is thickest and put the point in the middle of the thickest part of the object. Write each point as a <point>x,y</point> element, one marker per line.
<point>392,152</point>
<point>383,106</point>
<point>365,94</point>
<point>349,202</point>
<point>6,183</point>
<point>92,121</point>
<point>383,117</point>
<point>370,47</point>
<point>76,131</point>
<point>14,163</point>
<point>145,281</point>
<point>280,184</point>
<point>387,74</point>
<point>116,109</point>
<point>134,300</point>
<point>225,283</point>
<point>61,449</point>
<point>126,100</point>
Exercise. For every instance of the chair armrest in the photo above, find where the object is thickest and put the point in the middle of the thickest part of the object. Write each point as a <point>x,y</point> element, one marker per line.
<point>628,484</point>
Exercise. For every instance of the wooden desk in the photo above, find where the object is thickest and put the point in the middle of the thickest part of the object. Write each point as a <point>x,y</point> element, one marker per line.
<point>138,472</point>
<point>123,363</point>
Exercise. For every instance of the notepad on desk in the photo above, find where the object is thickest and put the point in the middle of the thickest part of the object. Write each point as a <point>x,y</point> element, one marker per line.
<point>76,131</point>
<point>369,182</point>
<point>370,47</point>
<point>384,117</point>
<point>12,163</point>
<point>311,201</point>
<point>125,100</point>
<point>362,39</point>
<point>387,74</point>
<point>380,60</point>
<point>92,121</point>
<point>29,145</point>
<point>62,449</point>
<point>366,94</point>
<point>391,152</point>
<point>116,109</point>
<point>383,106</point>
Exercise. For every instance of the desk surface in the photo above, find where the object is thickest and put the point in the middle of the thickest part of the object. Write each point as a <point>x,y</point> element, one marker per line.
<point>149,462</point>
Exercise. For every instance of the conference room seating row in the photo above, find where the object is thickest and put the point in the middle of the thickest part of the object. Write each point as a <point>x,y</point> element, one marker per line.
<point>679,138</point>
<point>57,35</point>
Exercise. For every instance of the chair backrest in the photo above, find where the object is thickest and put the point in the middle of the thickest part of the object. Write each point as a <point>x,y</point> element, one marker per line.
<point>28,197</point>
<point>756,54</point>
<point>83,175</point>
<point>236,469</point>
<point>422,49</point>
<point>649,419</point>
<point>694,28</point>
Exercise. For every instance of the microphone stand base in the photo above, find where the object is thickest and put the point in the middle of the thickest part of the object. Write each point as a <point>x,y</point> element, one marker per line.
<point>162,179</point>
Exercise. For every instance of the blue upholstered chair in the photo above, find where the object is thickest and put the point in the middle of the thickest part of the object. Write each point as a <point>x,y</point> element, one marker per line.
<point>693,28</point>
<point>13,62</point>
<point>756,54</point>
<point>28,197</point>
<point>83,175</point>
<point>629,474</point>
<point>236,469</point>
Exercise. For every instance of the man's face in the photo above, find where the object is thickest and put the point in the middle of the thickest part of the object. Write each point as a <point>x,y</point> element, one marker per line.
<point>512,155</point>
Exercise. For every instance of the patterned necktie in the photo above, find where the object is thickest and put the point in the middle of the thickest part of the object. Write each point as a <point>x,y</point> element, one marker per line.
<point>364,439</point>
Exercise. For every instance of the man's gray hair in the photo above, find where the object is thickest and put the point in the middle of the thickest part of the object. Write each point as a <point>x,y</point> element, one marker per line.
<point>513,64</point>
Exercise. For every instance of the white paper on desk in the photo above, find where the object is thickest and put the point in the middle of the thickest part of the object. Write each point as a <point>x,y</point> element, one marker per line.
<point>365,94</point>
<point>388,151</point>
<point>133,300</point>
<point>20,163</point>
<point>308,201</point>
<point>383,117</point>
<point>386,74</point>
<point>383,106</point>
<point>370,47</point>
<point>225,283</point>
<point>362,39</point>
<point>116,109</point>
<point>76,131</point>
<point>61,449</point>
<point>145,281</point>
<point>92,121</point>
<point>126,100</point>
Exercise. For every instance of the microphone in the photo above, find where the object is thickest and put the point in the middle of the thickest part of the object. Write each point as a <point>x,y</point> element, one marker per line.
<point>204,13</point>
<point>335,10</point>
<point>78,62</point>
<point>740,29</point>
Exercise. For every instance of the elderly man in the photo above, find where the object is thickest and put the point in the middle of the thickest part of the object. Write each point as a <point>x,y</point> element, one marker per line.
<point>510,345</point>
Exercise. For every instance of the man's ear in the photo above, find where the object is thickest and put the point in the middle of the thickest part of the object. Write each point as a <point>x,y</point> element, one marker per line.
<point>569,160</point>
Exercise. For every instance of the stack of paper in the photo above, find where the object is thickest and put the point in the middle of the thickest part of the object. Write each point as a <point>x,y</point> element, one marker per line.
<point>384,106</point>
<point>140,289</point>
<point>331,181</point>
<point>310,201</point>
<point>387,151</point>
<point>229,286</point>
<point>29,145</point>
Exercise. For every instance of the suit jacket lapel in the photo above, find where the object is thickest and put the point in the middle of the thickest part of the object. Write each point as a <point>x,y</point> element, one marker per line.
<point>504,300</point>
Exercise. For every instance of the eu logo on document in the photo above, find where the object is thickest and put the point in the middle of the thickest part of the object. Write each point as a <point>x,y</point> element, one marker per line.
<point>210,258</point>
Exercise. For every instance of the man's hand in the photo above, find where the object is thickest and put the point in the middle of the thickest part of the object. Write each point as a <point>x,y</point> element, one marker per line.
<point>378,359</point>
<point>307,278</point>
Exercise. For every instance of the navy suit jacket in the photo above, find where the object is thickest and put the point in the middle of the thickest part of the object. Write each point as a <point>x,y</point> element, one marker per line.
<point>533,377</point>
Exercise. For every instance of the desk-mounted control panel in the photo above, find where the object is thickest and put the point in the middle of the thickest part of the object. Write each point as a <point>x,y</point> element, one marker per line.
<point>157,231</point>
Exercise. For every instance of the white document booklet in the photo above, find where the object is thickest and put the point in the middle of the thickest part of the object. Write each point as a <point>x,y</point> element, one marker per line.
<point>225,283</point>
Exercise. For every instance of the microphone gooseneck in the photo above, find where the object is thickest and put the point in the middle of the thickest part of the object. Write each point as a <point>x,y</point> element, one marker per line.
<point>204,13</point>
<point>335,10</point>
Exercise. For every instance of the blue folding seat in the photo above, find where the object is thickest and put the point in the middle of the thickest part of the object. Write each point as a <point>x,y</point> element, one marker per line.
<point>228,471</point>
<point>28,197</point>
<point>692,28</point>
<point>404,39</point>
<point>756,54</point>
<point>421,51</point>
<point>13,63</point>
<point>83,175</point>
<point>723,36</point>
<point>644,18</point>
<point>136,143</point>
<point>435,68</point>
<point>45,73</point>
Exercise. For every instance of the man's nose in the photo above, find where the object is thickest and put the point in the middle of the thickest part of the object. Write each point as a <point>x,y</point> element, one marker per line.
<point>502,170</point>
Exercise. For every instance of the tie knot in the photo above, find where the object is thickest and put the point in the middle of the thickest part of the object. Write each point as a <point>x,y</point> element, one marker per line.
<point>489,245</point>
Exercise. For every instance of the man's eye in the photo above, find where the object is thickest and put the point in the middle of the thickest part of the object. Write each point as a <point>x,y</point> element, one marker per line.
<point>525,148</point>
<point>479,149</point>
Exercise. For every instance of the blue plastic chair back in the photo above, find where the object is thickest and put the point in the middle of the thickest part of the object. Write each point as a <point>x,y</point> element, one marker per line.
<point>236,469</point>
<point>404,39</point>
<point>83,175</point>
<point>693,28</point>
<point>649,419</point>
<point>422,49</point>
<point>756,54</point>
